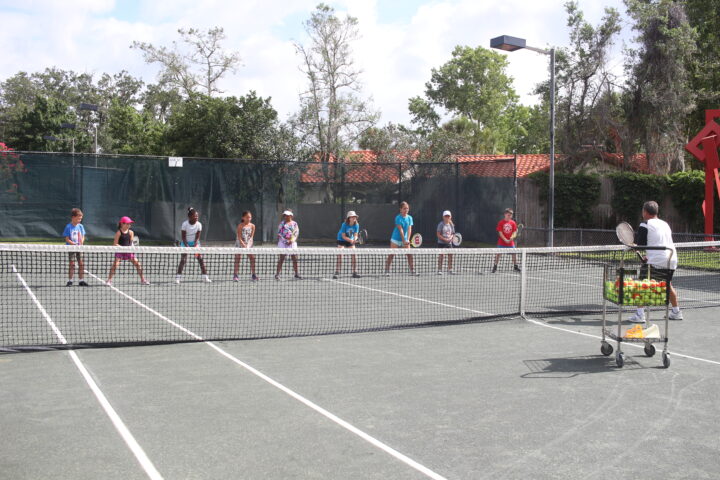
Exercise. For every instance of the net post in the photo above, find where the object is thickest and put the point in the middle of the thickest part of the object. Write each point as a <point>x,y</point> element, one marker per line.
<point>523,280</point>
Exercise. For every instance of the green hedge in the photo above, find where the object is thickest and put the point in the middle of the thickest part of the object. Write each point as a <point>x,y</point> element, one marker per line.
<point>577,194</point>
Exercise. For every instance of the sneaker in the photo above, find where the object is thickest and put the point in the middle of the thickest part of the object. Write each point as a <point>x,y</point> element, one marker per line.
<point>298,277</point>
<point>653,331</point>
<point>413,273</point>
<point>439,272</point>
<point>387,273</point>
<point>109,283</point>
<point>144,282</point>
<point>83,283</point>
<point>675,316</point>
<point>206,279</point>
<point>277,277</point>
<point>451,272</point>
<point>637,318</point>
<point>177,279</point>
<point>236,278</point>
<point>494,269</point>
<point>69,283</point>
<point>516,268</point>
<point>254,278</point>
<point>335,275</point>
<point>355,275</point>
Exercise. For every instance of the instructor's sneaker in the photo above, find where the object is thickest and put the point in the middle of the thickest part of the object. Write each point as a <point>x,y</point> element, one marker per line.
<point>69,283</point>
<point>637,318</point>
<point>83,283</point>
<point>440,272</point>
<point>494,269</point>
<point>277,277</point>
<point>108,283</point>
<point>675,316</point>
<point>298,277</point>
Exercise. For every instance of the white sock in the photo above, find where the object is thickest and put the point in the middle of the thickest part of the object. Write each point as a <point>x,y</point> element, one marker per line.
<point>640,312</point>
<point>675,309</point>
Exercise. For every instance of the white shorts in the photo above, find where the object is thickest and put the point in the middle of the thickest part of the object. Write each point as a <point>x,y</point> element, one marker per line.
<point>249,244</point>
<point>282,244</point>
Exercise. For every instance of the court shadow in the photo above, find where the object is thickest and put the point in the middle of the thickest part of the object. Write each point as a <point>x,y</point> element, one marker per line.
<point>569,367</point>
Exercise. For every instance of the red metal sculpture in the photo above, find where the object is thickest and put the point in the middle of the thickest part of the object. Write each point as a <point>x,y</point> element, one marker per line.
<point>705,147</point>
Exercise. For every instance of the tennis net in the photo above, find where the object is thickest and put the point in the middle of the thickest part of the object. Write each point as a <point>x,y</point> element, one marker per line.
<point>38,309</point>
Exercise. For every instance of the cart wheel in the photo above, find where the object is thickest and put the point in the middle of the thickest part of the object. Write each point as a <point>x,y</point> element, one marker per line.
<point>649,349</point>
<point>666,359</point>
<point>620,359</point>
<point>606,349</point>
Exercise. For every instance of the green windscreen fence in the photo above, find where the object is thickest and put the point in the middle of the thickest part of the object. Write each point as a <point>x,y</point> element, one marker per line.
<point>38,190</point>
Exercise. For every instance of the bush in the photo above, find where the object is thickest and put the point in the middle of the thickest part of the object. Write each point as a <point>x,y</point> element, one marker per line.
<point>575,196</point>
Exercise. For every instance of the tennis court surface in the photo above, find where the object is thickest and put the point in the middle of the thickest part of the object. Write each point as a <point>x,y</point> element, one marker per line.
<point>506,381</point>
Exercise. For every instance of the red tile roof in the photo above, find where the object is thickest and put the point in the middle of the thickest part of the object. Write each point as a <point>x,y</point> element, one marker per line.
<point>362,166</point>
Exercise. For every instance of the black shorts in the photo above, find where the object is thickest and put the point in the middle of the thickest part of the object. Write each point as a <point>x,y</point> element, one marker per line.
<point>75,255</point>
<point>343,243</point>
<point>659,274</point>
<point>445,245</point>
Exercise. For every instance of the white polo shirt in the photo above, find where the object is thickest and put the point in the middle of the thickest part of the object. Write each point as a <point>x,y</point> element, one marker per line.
<point>660,235</point>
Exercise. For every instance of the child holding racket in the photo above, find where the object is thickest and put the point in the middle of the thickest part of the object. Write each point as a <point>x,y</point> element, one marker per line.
<point>445,233</point>
<point>347,236</point>
<point>505,230</point>
<point>288,232</point>
<point>74,234</point>
<point>244,239</point>
<point>401,236</point>
<point>124,238</point>
<point>190,231</point>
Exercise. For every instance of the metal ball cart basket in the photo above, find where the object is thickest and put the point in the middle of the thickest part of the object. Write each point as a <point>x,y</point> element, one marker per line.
<point>644,286</point>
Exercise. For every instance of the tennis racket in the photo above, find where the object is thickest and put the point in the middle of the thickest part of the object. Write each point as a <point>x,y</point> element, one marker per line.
<point>626,235</point>
<point>456,239</point>
<point>416,240</point>
<point>362,237</point>
<point>136,241</point>
<point>517,231</point>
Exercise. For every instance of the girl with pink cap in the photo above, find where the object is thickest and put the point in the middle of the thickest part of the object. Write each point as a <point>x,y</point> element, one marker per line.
<point>124,238</point>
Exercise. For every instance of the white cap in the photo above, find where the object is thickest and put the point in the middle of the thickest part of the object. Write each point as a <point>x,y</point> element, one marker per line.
<point>288,212</point>
<point>447,213</point>
<point>351,213</point>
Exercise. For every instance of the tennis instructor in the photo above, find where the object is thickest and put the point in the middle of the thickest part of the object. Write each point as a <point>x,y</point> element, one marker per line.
<point>654,232</point>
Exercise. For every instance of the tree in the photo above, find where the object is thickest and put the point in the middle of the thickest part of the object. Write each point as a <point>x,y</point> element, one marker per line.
<point>704,74</point>
<point>660,94</point>
<point>42,119</point>
<point>200,68</point>
<point>332,115</point>
<point>133,132</point>
<point>231,127</point>
<point>473,87</point>
<point>582,80</point>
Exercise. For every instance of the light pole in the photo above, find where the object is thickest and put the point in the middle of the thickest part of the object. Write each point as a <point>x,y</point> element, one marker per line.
<point>92,108</point>
<point>510,44</point>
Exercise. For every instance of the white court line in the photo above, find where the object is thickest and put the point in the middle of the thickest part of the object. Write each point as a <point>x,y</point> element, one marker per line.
<point>567,330</point>
<point>330,416</point>
<point>413,298</point>
<point>120,426</point>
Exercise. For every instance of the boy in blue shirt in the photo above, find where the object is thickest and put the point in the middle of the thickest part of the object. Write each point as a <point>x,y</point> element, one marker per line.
<point>74,234</point>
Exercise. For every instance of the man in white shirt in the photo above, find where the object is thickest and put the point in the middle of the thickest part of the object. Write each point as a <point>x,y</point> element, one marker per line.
<point>654,232</point>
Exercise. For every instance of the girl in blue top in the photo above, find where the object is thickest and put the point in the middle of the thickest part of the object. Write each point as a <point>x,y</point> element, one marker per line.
<point>346,238</point>
<point>401,236</point>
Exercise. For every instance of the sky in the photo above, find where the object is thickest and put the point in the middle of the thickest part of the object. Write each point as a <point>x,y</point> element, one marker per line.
<point>400,40</point>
